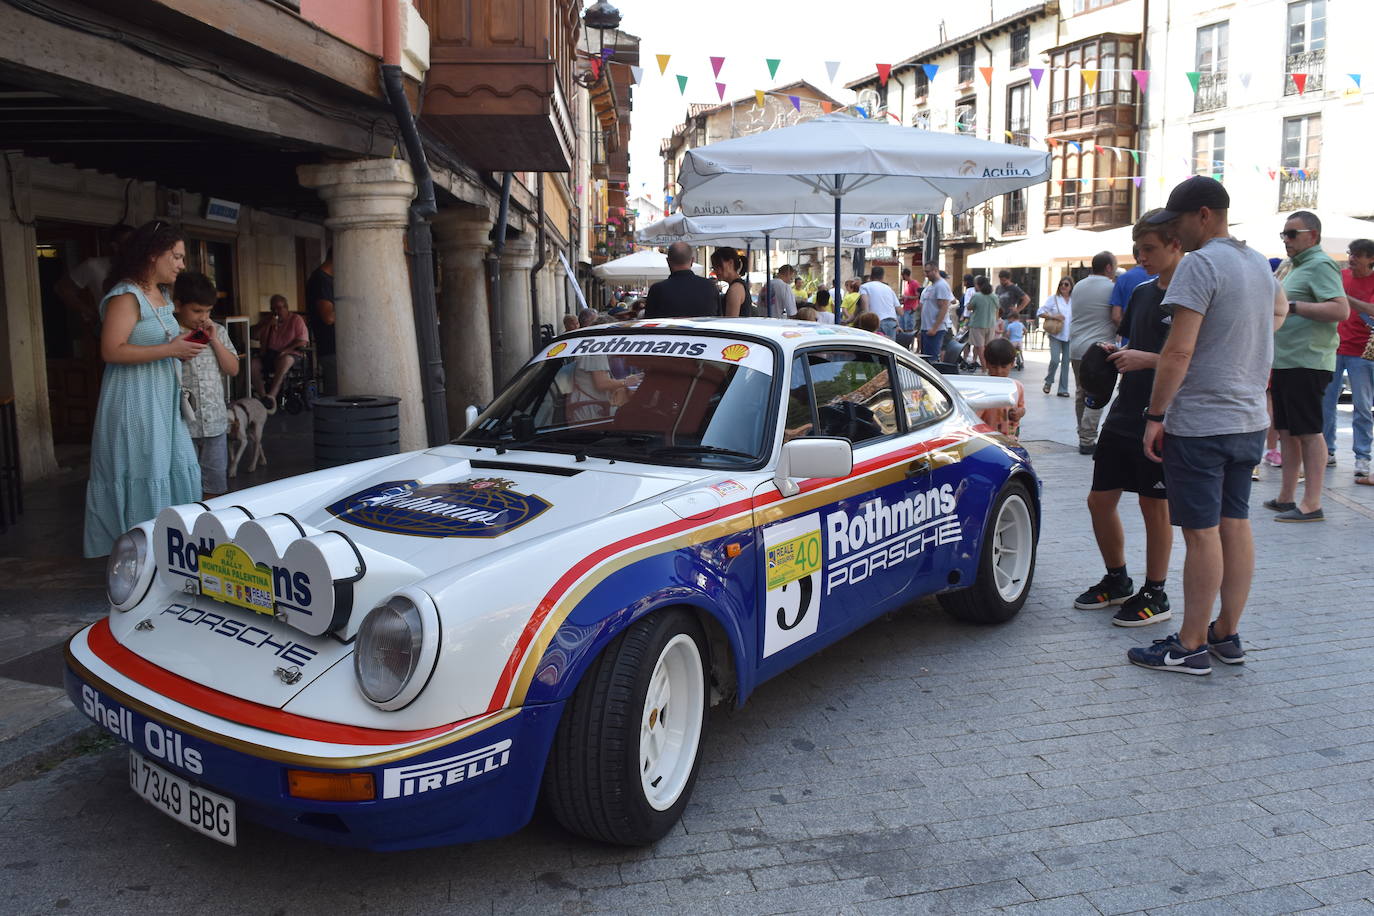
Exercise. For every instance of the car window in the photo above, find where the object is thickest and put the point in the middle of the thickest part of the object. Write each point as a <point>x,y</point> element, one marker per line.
<point>922,399</point>
<point>853,394</point>
<point>799,416</point>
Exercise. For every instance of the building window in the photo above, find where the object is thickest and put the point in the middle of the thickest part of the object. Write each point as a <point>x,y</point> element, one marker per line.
<point>1211,66</point>
<point>1020,47</point>
<point>966,115</point>
<point>1018,114</point>
<point>1209,153</point>
<point>1306,45</point>
<point>965,66</point>
<point>1014,213</point>
<point>1087,6</point>
<point>882,98</point>
<point>1302,144</point>
<point>921,119</point>
<point>1112,58</point>
<point>922,82</point>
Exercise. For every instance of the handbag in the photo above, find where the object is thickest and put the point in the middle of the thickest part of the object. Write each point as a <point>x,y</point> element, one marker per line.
<point>1052,324</point>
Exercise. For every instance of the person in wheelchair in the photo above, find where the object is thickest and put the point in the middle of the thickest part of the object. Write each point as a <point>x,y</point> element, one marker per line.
<point>282,338</point>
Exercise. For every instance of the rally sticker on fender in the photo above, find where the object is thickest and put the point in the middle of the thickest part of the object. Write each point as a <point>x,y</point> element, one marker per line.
<point>229,574</point>
<point>794,559</point>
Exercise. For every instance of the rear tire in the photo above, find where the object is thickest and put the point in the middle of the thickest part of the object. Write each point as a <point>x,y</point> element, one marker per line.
<point>1006,564</point>
<point>628,747</point>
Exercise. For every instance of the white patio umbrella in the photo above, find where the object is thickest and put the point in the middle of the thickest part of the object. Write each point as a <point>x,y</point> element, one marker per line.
<point>837,162</point>
<point>640,266</point>
<point>1039,249</point>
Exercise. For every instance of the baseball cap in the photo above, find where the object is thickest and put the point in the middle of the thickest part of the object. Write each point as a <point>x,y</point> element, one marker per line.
<point>1192,195</point>
<point>1097,374</point>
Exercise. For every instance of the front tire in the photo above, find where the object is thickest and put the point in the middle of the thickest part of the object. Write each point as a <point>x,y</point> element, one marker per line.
<point>1006,565</point>
<point>628,748</point>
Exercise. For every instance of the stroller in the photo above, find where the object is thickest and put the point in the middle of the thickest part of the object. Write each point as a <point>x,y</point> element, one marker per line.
<point>958,352</point>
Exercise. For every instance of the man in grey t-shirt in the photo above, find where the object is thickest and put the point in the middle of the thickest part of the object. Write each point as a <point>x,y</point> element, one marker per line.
<point>1208,397</point>
<point>1093,321</point>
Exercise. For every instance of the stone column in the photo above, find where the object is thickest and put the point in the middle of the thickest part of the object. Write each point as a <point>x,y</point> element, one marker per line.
<point>368,203</point>
<point>461,237</point>
<point>516,346</point>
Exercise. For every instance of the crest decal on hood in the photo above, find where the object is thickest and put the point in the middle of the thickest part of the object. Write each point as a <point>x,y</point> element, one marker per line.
<point>481,507</point>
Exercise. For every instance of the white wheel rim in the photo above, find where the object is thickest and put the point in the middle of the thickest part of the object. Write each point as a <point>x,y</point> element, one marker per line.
<point>1012,547</point>
<point>670,724</point>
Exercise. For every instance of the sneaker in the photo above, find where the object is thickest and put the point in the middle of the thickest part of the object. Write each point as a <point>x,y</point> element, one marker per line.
<point>1046,389</point>
<point>1361,467</point>
<point>1273,458</point>
<point>1147,606</point>
<point>1168,654</point>
<point>1331,459</point>
<point>1277,506</point>
<point>1226,650</point>
<point>1111,590</point>
<point>1297,515</point>
<point>1065,394</point>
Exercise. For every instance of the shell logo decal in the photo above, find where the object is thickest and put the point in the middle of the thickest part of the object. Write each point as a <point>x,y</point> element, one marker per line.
<point>735,352</point>
<point>556,349</point>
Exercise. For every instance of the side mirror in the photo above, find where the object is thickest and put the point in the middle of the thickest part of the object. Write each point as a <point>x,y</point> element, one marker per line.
<point>812,456</point>
<point>470,416</point>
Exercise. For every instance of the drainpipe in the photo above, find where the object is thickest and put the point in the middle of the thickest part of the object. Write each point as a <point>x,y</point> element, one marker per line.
<point>983,41</point>
<point>422,210</point>
<point>539,261</point>
<point>498,244</point>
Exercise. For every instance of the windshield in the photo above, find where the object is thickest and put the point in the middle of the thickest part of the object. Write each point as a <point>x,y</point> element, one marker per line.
<point>673,399</point>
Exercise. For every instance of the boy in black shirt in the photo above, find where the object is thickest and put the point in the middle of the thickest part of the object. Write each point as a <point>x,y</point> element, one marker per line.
<point>1119,461</point>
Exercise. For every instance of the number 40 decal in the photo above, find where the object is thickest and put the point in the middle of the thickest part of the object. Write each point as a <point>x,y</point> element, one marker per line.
<point>792,567</point>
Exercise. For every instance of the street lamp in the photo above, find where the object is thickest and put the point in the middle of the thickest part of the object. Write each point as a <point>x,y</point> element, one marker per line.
<point>600,16</point>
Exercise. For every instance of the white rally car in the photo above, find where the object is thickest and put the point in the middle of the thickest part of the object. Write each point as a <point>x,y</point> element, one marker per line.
<point>652,517</point>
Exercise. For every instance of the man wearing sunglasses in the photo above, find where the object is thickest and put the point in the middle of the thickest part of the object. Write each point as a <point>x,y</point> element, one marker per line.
<point>1304,361</point>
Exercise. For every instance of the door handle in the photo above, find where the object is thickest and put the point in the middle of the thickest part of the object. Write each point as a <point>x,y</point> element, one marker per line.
<point>917,468</point>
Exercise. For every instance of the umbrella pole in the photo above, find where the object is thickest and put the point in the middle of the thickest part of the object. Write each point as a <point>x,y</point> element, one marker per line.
<point>836,300</point>
<point>767,277</point>
<point>748,296</point>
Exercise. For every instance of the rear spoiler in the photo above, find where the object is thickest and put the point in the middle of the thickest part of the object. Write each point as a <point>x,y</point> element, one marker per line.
<point>982,392</point>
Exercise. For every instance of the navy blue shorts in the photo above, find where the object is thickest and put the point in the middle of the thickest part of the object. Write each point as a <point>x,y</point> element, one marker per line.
<point>1208,477</point>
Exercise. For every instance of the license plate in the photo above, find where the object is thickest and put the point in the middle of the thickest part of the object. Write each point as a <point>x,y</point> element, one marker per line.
<point>206,812</point>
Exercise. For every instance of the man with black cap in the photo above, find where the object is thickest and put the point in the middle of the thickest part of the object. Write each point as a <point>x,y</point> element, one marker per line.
<point>1207,419</point>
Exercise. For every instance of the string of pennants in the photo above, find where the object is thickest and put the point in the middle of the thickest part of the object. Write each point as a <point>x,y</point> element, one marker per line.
<point>1089,76</point>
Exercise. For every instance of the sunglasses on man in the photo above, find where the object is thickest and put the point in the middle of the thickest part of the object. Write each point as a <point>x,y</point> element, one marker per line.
<point>1291,234</point>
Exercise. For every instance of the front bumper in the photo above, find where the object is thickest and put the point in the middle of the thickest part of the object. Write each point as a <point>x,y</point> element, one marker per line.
<point>477,782</point>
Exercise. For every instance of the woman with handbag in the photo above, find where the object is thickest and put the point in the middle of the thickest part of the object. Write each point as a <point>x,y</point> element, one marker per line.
<point>142,459</point>
<point>1055,316</point>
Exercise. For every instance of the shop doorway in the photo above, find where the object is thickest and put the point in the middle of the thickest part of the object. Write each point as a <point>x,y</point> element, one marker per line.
<point>71,327</point>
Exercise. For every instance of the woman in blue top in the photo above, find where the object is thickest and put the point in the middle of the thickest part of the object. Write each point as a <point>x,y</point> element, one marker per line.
<point>142,459</point>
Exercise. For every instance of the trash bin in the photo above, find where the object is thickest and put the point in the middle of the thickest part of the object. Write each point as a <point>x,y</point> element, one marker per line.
<point>356,427</point>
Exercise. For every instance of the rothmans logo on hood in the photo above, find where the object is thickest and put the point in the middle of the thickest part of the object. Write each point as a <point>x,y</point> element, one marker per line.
<point>483,507</point>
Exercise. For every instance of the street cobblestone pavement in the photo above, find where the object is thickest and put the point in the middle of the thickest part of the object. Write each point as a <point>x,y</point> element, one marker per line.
<point>920,766</point>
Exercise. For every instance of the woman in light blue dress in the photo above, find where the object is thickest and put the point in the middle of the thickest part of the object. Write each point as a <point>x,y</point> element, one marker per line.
<point>142,458</point>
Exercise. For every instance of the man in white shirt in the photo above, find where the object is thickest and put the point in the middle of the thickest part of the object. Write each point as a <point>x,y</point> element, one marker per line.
<point>877,297</point>
<point>937,300</point>
<point>783,304</point>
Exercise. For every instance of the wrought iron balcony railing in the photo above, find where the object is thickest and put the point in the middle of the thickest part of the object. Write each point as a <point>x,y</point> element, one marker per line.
<point>1313,63</point>
<point>1211,92</point>
<point>1295,193</point>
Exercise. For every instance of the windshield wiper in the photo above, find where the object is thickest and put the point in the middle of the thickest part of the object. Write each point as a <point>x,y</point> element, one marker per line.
<point>700,450</point>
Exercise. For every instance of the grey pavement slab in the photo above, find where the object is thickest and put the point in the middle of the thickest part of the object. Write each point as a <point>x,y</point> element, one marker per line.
<point>919,766</point>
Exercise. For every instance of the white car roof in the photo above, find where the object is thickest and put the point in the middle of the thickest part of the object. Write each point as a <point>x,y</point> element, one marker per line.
<point>786,332</point>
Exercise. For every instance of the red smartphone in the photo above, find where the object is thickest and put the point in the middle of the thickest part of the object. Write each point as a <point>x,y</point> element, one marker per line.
<point>199,336</point>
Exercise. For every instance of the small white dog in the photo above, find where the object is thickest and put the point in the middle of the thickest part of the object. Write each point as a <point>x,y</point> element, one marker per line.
<point>247,417</point>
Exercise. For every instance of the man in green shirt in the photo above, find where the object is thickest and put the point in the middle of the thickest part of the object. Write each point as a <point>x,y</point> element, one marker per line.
<point>1304,360</point>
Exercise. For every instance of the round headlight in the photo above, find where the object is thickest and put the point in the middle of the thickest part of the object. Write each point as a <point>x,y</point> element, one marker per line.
<point>125,566</point>
<point>389,649</point>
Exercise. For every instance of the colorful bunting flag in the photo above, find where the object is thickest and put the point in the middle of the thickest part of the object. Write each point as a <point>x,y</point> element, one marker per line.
<point>1090,79</point>
<point>796,101</point>
<point>1009,135</point>
<point>681,84</point>
<point>637,74</point>
<point>1300,80</point>
<point>663,63</point>
<point>1142,78</point>
<point>987,74</point>
<point>1193,77</point>
<point>720,91</point>
<point>1037,74</point>
<point>1245,80</point>
<point>1098,149</point>
<point>716,64</point>
<point>1272,174</point>
<point>827,107</point>
<point>758,97</point>
<point>1355,78</point>
<point>1135,155</point>
<point>863,112</point>
<point>884,70</point>
<point>931,70</point>
<point>596,68</point>
<point>1078,147</point>
<point>1138,180</point>
<point>832,67</point>
<point>1051,142</point>
<point>772,63</point>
